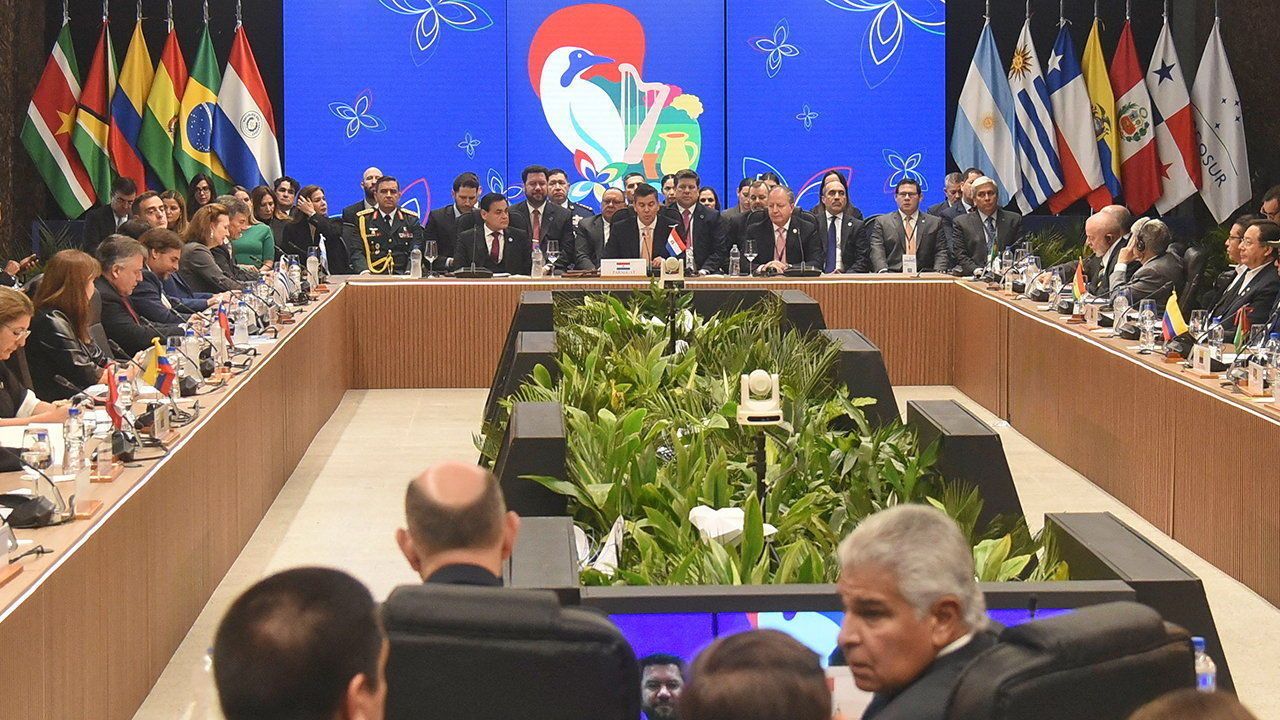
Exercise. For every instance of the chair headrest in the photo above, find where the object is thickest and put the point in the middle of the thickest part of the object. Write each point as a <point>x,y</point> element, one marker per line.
<point>1091,631</point>
<point>498,612</point>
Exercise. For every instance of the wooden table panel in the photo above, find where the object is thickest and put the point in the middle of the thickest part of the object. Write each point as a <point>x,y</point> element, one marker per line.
<point>979,342</point>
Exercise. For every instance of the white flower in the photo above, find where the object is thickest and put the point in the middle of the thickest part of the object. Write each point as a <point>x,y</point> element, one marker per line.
<point>724,525</point>
<point>606,559</point>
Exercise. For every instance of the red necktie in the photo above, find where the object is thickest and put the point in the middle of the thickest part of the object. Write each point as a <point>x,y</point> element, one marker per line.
<point>129,306</point>
<point>493,249</point>
<point>537,227</point>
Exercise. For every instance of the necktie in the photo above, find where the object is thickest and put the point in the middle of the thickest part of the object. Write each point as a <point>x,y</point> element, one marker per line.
<point>832,233</point>
<point>780,243</point>
<point>129,306</point>
<point>991,235</point>
<point>494,248</point>
<point>687,220</point>
<point>537,227</point>
<point>909,225</point>
<point>646,245</point>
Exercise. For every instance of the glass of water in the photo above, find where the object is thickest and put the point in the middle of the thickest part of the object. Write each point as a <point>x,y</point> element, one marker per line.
<point>1196,321</point>
<point>553,252</point>
<point>430,251</point>
<point>749,249</point>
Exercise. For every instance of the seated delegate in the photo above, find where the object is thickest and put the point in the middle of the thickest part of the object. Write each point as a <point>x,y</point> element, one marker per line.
<point>60,352</point>
<point>18,404</point>
<point>208,229</point>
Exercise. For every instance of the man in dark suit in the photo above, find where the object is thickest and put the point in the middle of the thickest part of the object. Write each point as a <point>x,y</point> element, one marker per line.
<point>951,194</point>
<point>458,529</point>
<point>493,243</point>
<point>908,233</point>
<point>101,221</point>
<point>642,233</point>
<point>837,227</point>
<point>444,223</point>
<point>749,210</point>
<point>987,229</point>
<point>1160,272</point>
<point>593,233</point>
<point>698,226</point>
<point>914,615</point>
<point>1235,236</point>
<point>382,237</point>
<point>121,259</point>
<point>558,189</point>
<point>1255,289</point>
<point>950,214</point>
<point>543,221</point>
<point>1104,236</point>
<point>368,202</point>
<point>787,238</point>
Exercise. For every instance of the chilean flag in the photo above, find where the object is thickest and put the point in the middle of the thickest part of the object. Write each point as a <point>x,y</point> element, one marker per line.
<point>244,128</point>
<point>1139,158</point>
<point>1175,125</point>
<point>1073,119</point>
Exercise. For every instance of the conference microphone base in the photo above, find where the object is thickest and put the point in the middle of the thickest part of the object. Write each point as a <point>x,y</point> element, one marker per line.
<point>86,509</point>
<point>117,469</point>
<point>9,572</point>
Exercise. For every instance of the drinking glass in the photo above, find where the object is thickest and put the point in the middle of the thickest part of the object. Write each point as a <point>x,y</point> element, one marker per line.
<point>36,452</point>
<point>1120,306</point>
<point>1196,323</point>
<point>749,249</point>
<point>1020,256</point>
<point>1057,284</point>
<point>430,251</point>
<point>553,251</point>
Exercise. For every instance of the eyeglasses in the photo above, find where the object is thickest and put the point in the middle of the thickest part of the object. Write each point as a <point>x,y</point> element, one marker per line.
<point>19,334</point>
<point>907,193</point>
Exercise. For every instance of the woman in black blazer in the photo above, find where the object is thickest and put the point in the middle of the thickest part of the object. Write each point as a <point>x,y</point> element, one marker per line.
<point>208,229</point>
<point>60,345</point>
<point>18,404</point>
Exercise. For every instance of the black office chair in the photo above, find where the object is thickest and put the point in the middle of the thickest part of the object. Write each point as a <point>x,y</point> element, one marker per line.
<point>1100,662</point>
<point>1194,261</point>
<point>32,286</point>
<point>473,652</point>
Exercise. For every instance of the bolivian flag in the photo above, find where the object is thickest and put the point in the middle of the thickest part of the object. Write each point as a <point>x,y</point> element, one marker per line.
<point>194,149</point>
<point>160,119</point>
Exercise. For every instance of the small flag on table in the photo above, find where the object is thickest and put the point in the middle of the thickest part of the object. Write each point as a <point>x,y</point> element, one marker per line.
<point>1174,325</point>
<point>675,245</point>
<point>1243,326</point>
<point>113,396</point>
<point>159,373</point>
<point>224,322</point>
<point>1078,288</point>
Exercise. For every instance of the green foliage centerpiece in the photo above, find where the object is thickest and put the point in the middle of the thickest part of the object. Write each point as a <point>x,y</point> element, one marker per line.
<point>662,479</point>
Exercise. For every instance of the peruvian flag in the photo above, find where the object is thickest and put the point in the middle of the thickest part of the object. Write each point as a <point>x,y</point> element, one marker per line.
<point>1175,125</point>
<point>1073,119</point>
<point>1139,158</point>
<point>244,128</point>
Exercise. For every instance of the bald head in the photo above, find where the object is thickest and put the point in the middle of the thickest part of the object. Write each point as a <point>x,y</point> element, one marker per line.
<point>369,181</point>
<point>454,514</point>
<point>1122,216</point>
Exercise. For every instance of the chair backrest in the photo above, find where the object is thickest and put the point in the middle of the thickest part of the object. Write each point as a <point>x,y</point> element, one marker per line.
<point>1194,261</point>
<point>32,286</point>
<point>473,652</point>
<point>1100,662</point>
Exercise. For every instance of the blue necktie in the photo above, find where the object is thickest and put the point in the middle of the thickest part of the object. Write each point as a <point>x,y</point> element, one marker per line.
<point>831,245</point>
<point>991,235</point>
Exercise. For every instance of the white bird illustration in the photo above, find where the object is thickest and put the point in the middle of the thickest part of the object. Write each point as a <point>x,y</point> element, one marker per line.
<point>581,113</point>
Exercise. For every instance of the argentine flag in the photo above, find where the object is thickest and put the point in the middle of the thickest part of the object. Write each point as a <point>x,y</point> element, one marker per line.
<point>244,128</point>
<point>983,133</point>
<point>1038,162</point>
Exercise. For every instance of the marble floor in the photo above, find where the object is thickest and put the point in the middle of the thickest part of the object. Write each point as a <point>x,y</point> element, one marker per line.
<point>342,505</point>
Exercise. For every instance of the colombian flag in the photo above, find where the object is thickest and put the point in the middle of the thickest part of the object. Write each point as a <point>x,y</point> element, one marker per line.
<point>1174,325</point>
<point>1078,288</point>
<point>194,149</point>
<point>160,118</point>
<point>1098,82</point>
<point>159,372</point>
<point>93,115</point>
<point>126,112</point>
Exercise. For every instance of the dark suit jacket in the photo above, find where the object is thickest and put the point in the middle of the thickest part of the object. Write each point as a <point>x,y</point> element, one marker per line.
<point>889,242</point>
<point>803,243</point>
<point>120,321</point>
<point>557,224</point>
<point>709,252</point>
<point>201,271</point>
<point>850,210</point>
<point>969,239</point>
<point>349,212</point>
<point>589,242</point>
<point>1146,283</point>
<point>473,246</point>
<point>381,237</point>
<point>848,227</point>
<point>624,237</point>
<point>299,236</point>
<point>147,302</point>
<point>1097,279</point>
<point>927,697</point>
<point>99,222</point>
<point>465,574</point>
<point>1259,298</point>
<point>443,227</point>
<point>183,297</point>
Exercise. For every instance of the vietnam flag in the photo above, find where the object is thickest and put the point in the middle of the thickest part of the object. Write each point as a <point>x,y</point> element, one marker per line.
<point>92,131</point>
<point>126,111</point>
<point>46,133</point>
<point>1135,121</point>
<point>160,118</point>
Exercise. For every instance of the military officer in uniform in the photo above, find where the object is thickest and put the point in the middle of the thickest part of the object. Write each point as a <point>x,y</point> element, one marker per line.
<point>383,235</point>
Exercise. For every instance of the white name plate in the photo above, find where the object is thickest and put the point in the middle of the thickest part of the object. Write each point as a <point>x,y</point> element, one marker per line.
<point>623,267</point>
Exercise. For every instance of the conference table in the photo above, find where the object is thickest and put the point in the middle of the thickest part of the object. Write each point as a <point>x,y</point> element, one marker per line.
<point>87,629</point>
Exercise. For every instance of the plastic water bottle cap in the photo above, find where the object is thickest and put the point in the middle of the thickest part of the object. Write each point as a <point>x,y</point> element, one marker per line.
<point>73,412</point>
<point>1197,642</point>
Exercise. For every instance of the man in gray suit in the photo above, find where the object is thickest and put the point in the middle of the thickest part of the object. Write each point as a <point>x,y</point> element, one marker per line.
<point>908,232</point>
<point>837,227</point>
<point>593,233</point>
<point>1161,272</point>
<point>989,228</point>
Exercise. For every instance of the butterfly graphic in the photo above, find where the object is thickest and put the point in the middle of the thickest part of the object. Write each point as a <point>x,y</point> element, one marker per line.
<point>904,169</point>
<point>776,47</point>
<point>469,145</point>
<point>458,14</point>
<point>357,114</point>
<point>879,57</point>
<point>807,116</point>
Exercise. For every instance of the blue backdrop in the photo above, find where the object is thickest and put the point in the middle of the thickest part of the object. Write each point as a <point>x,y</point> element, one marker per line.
<point>425,89</point>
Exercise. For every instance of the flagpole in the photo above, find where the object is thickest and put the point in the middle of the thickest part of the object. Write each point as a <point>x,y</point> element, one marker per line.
<point>139,10</point>
<point>104,10</point>
<point>987,14</point>
<point>206,12</point>
<point>1062,14</point>
<point>240,22</point>
<point>66,16</point>
<point>169,14</point>
<point>1128,9</point>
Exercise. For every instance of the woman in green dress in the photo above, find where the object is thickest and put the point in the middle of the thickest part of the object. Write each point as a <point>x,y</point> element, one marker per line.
<point>256,246</point>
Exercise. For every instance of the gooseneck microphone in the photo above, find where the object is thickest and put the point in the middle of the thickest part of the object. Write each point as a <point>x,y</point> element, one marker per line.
<point>63,511</point>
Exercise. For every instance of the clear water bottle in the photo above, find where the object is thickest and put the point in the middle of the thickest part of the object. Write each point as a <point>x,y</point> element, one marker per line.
<point>1147,324</point>
<point>1206,671</point>
<point>295,274</point>
<point>538,263</point>
<point>244,317</point>
<point>735,262</point>
<point>179,372</point>
<point>313,267</point>
<point>124,394</point>
<point>1215,339</point>
<point>191,349</point>
<point>72,441</point>
<point>415,262</point>
<point>689,266</point>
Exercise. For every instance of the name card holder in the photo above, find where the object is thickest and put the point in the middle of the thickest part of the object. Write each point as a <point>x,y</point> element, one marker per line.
<point>1201,362</point>
<point>623,267</point>
<point>909,266</point>
<point>1255,385</point>
<point>1092,313</point>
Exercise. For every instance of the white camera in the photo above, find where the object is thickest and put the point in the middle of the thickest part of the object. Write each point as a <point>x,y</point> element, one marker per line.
<point>761,401</point>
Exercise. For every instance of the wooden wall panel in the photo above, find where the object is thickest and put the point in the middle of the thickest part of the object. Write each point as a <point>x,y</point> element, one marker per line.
<point>979,342</point>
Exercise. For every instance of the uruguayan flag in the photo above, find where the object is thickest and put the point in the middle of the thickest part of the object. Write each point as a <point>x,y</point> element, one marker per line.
<point>983,134</point>
<point>1039,168</point>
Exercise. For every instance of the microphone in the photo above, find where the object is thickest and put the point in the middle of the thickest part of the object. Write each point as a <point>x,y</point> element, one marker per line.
<point>180,416</point>
<point>1130,331</point>
<point>804,269</point>
<point>62,510</point>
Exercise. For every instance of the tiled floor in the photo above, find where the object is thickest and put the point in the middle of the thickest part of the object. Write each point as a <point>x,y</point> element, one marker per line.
<point>345,500</point>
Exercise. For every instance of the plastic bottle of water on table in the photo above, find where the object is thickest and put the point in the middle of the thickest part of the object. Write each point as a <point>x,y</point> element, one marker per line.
<point>1206,670</point>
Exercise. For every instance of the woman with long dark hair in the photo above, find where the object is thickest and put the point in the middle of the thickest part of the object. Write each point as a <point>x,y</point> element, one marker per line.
<point>60,345</point>
<point>199,193</point>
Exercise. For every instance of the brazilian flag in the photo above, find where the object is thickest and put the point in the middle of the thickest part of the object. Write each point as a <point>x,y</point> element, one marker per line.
<point>193,151</point>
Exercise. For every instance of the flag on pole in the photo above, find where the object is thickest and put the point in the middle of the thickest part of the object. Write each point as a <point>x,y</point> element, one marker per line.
<point>1243,328</point>
<point>1077,142</point>
<point>93,115</point>
<point>1224,157</point>
<point>1173,323</point>
<point>1175,126</point>
<point>983,133</point>
<point>159,372</point>
<point>1078,287</point>
<point>160,118</point>
<point>194,149</point>
<point>1096,79</point>
<point>113,397</point>
<point>1039,169</point>
<point>46,133</point>
<point>244,128</point>
<point>126,112</point>
<point>1139,158</point>
<point>675,244</point>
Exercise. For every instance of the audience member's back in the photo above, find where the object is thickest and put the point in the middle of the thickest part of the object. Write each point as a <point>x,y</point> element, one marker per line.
<point>758,675</point>
<point>1193,705</point>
